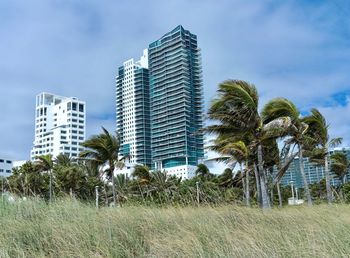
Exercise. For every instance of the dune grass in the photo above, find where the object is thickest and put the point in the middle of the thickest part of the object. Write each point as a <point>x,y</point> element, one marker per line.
<point>72,229</point>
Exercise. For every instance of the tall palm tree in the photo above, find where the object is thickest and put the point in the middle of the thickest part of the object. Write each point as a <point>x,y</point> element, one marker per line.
<point>46,163</point>
<point>318,130</point>
<point>236,110</point>
<point>281,107</point>
<point>104,150</point>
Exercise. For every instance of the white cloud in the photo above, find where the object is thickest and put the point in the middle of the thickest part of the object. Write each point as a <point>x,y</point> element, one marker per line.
<point>338,118</point>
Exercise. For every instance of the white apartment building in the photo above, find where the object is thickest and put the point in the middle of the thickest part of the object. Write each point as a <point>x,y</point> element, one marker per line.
<point>133,110</point>
<point>5,167</point>
<point>60,124</point>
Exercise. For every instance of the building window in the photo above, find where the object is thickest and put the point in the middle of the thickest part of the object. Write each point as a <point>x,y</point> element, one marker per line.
<point>81,108</point>
<point>74,106</point>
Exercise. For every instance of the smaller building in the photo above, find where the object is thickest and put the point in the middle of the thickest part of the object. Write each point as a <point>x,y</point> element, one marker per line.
<point>5,167</point>
<point>59,125</point>
<point>184,171</point>
<point>314,173</point>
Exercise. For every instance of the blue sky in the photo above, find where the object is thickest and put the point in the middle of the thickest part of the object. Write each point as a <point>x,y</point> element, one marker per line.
<point>294,49</point>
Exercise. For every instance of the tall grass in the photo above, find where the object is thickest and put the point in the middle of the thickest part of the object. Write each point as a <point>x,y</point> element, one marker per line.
<point>72,229</point>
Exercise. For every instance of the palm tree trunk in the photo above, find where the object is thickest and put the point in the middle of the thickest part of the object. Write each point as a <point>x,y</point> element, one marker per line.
<point>271,196</point>
<point>50,185</point>
<point>279,194</point>
<point>113,190</point>
<point>257,182</point>
<point>247,195</point>
<point>106,195</point>
<point>328,183</point>
<point>243,184</point>
<point>302,172</point>
<point>265,202</point>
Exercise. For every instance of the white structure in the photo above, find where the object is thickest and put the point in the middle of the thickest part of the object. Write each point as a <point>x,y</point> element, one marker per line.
<point>19,163</point>
<point>5,167</point>
<point>184,171</point>
<point>127,170</point>
<point>59,125</point>
<point>132,110</point>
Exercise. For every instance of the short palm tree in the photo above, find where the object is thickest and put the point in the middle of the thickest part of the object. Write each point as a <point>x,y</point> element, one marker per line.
<point>318,130</point>
<point>203,172</point>
<point>46,163</point>
<point>340,165</point>
<point>104,150</point>
<point>234,150</point>
<point>142,173</point>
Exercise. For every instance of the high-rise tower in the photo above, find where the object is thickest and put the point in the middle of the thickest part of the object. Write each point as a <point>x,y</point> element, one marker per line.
<point>59,125</point>
<point>176,102</point>
<point>133,110</point>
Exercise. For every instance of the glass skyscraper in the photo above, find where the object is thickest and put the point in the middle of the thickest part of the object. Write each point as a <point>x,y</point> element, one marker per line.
<point>176,101</point>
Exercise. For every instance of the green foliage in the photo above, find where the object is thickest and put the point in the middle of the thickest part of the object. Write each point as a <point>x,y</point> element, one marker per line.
<point>340,165</point>
<point>345,189</point>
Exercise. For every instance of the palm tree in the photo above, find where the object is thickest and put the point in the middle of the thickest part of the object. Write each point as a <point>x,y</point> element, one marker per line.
<point>318,130</point>
<point>163,186</point>
<point>203,172</point>
<point>281,107</point>
<point>46,163</point>
<point>104,150</point>
<point>234,150</point>
<point>63,160</point>
<point>142,173</point>
<point>236,110</point>
<point>340,165</point>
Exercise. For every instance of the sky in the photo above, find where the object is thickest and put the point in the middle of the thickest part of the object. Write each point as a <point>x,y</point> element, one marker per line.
<point>294,49</point>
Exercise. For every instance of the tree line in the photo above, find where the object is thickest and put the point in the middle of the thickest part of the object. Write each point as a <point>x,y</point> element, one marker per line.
<point>264,143</point>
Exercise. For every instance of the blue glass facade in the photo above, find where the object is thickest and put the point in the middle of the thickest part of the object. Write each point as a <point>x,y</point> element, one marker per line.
<point>142,117</point>
<point>314,174</point>
<point>176,99</point>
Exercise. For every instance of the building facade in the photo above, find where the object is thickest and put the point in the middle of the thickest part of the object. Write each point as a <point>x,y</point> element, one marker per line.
<point>59,125</point>
<point>6,165</point>
<point>176,102</point>
<point>314,174</point>
<point>133,110</point>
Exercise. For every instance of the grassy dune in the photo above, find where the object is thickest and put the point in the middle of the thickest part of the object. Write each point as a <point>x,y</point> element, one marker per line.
<point>72,229</point>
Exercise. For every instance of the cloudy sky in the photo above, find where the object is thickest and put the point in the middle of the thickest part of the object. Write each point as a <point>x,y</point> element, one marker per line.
<point>296,49</point>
